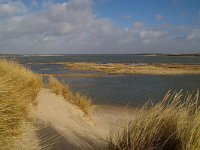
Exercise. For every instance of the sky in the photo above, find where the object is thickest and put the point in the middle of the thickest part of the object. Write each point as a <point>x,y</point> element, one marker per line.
<point>99,26</point>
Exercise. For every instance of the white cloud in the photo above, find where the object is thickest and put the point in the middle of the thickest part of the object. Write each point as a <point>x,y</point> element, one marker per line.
<point>128,16</point>
<point>194,35</point>
<point>12,8</point>
<point>72,27</point>
<point>150,35</point>
<point>159,17</point>
<point>138,25</point>
<point>184,14</point>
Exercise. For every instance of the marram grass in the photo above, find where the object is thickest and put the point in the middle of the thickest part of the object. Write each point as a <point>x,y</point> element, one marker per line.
<point>18,90</point>
<point>81,101</point>
<point>173,124</point>
<point>21,79</point>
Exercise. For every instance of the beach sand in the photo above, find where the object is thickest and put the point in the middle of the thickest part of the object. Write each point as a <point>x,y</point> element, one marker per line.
<point>63,126</point>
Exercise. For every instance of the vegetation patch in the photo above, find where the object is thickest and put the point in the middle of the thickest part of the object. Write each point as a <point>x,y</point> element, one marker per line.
<point>79,75</point>
<point>18,91</point>
<point>171,124</point>
<point>120,68</point>
<point>82,101</point>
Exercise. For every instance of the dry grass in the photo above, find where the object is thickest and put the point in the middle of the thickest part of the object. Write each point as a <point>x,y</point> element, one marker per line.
<point>18,90</point>
<point>56,86</point>
<point>88,75</point>
<point>83,102</point>
<point>173,124</point>
<point>120,68</point>
<point>22,79</point>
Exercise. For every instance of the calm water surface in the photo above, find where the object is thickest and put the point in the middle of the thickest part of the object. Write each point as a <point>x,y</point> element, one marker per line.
<point>123,89</point>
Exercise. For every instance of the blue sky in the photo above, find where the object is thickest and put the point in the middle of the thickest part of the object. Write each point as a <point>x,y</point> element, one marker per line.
<point>125,12</point>
<point>99,26</point>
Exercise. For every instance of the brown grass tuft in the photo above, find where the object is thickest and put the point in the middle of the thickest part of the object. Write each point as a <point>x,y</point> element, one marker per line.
<point>81,101</point>
<point>18,90</point>
<point>171,124</point>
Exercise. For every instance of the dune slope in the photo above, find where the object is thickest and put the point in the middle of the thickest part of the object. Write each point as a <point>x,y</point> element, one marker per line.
<point>63,126</point>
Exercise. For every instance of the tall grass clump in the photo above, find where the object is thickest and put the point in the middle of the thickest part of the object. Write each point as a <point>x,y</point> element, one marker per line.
<point>22,79</point>
<point>81,101</point>
<point>18,90</point>
<point>173,124</point>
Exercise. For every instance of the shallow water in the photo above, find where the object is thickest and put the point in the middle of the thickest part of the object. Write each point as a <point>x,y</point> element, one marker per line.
<point>132,89</point>
<point>118,89</point>
<point>109,59</point>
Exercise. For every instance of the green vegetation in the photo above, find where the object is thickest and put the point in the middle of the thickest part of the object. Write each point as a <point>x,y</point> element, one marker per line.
<point>171,124</point>
<point>120,68</point>
<point>18,90</point>
<point>83,102</point>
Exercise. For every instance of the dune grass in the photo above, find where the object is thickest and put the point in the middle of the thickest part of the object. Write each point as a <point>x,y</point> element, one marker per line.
<point>18,90</point>
<point>81,101</point>
<point>22,79</point>
<point>173,124</point>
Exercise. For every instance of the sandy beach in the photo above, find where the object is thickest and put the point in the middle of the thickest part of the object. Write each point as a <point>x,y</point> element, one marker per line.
<point>62,125</point>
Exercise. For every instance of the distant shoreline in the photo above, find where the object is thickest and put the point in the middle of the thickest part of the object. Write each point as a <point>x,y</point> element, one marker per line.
<point>178,55</point>
<point>142,54</point>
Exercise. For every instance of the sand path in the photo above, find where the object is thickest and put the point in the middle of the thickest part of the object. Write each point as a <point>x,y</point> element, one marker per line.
<point>62,126</point>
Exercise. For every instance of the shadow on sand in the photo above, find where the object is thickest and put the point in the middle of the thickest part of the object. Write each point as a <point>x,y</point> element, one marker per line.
<point>51,139</point>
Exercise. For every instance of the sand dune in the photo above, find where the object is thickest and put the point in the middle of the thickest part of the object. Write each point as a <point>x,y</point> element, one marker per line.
<point>63,126</point>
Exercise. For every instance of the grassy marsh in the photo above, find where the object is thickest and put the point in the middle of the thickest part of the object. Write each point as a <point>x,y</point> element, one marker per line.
<point>88,75</point>
<point>120,68</point>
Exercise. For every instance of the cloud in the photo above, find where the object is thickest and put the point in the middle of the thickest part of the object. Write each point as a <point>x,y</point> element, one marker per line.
<point>159,17</point>
<point>72,27</point>
<point>128,17</point>
<point>194,35</point>
<point>12,8</point>
<point>175,2</point>
<point>184,14</point>
<point>138,25</point>
<point>150,35</point>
